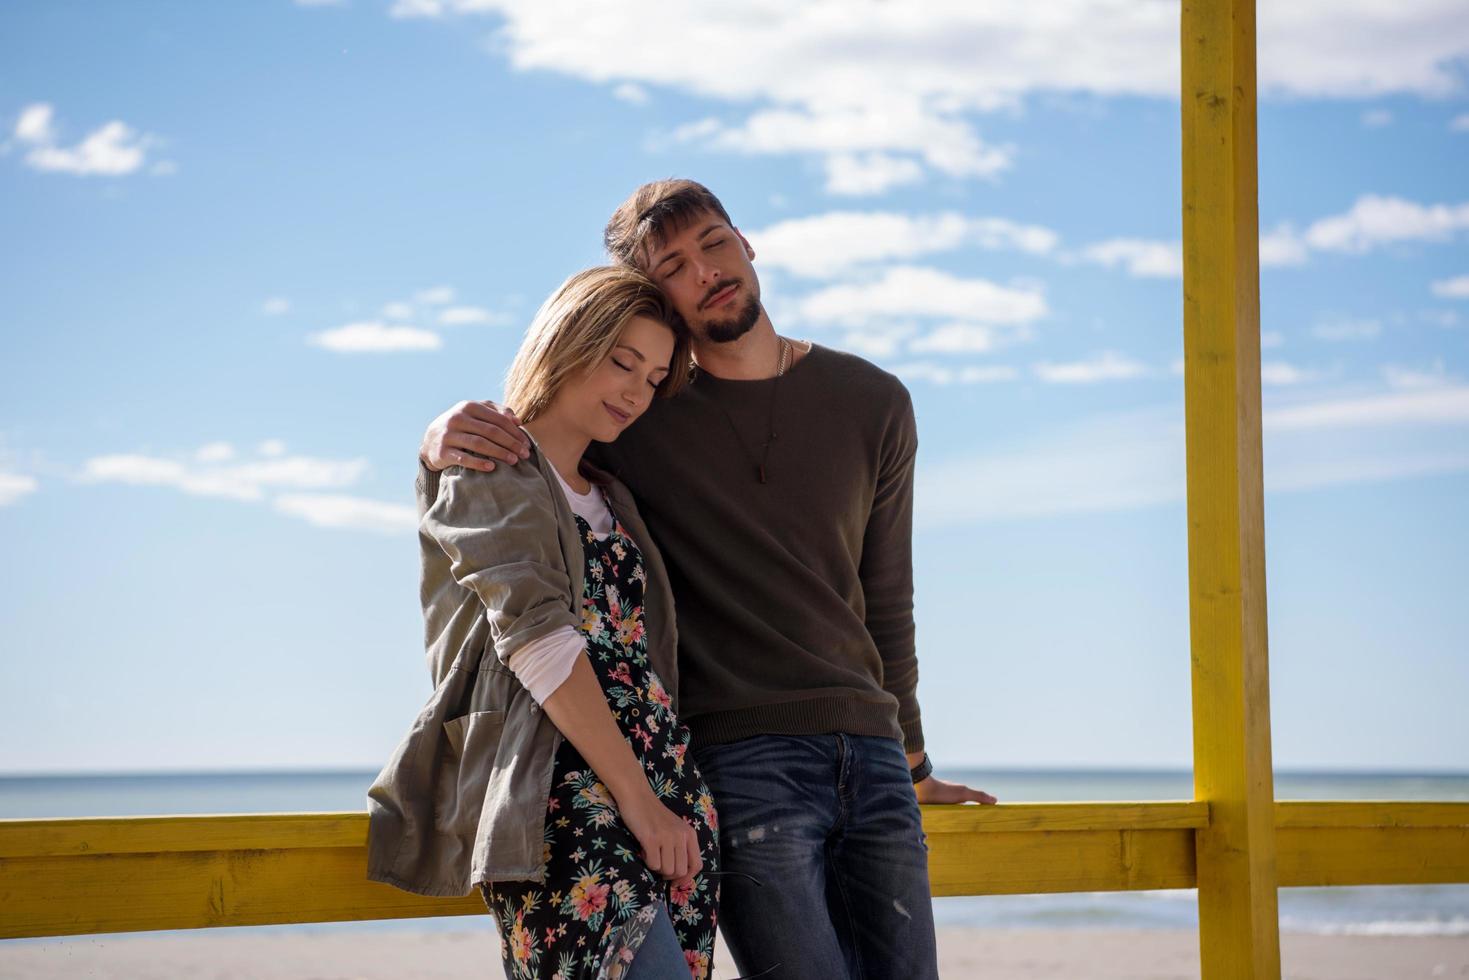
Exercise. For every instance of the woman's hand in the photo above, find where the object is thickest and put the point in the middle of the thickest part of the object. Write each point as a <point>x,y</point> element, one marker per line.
<point>473,435</point>
<point>670,846</point>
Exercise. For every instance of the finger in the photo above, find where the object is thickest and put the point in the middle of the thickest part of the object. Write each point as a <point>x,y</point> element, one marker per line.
<point>476,416</point>
<point>696,860</point>
<point>667,861</point>
<point>978,796</point>
<point>453,457</point>
<point>482,446</point>
<point>506,434</point>
<point>680,862</point>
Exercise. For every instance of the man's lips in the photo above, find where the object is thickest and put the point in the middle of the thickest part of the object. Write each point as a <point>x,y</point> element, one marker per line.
<point>720,298</point>
<point>621,417</point>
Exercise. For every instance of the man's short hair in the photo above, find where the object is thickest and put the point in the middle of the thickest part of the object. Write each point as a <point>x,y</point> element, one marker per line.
<point>654,212</point>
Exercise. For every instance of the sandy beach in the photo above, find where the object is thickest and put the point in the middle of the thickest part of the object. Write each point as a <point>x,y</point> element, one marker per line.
<point>1027,954</point>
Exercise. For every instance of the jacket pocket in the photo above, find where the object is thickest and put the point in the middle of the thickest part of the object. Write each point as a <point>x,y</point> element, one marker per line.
<point>468,759</point>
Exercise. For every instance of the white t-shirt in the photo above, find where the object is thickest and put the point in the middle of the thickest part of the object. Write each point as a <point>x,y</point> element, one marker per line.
<point>543,665</point>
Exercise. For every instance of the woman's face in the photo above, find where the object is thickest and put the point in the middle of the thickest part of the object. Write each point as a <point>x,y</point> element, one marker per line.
<point>616,392</point>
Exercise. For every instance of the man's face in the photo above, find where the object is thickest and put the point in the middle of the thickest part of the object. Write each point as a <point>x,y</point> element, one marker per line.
<point>704,269</point>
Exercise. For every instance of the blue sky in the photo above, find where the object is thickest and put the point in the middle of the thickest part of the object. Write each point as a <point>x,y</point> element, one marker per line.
<point>250,249</point>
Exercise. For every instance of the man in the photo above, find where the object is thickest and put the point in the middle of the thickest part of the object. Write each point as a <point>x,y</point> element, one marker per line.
<point>779,486</point>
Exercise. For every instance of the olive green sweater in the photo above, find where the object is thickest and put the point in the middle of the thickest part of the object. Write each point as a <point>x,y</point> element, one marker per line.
<point>794,596</point>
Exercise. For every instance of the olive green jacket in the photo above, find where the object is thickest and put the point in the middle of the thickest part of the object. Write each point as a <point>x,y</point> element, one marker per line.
<point>463,798</point>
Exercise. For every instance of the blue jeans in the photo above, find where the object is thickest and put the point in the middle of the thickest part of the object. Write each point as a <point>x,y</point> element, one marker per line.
<point>660,957</point>
<point>828,828</point>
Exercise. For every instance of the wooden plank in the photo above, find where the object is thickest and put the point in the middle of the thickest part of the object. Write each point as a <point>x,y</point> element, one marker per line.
<point>284,831</point>
<point>1372,813</point>
<point>1029,862</point>
<point>137,835</point>
<point>1384,855</point>
<point>60,896</point>
<point>1007,817</point>
<point>1238,918</point>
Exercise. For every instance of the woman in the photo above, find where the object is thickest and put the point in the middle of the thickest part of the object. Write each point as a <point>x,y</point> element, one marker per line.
<point>549,767</point>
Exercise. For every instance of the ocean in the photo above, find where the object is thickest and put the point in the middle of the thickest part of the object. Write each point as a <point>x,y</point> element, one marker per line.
<point>1437,910</point>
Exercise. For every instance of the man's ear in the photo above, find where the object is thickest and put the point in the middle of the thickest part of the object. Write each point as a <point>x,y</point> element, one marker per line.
<point>749,252</point>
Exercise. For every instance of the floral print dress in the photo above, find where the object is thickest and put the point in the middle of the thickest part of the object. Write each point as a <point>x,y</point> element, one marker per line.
<point>597,900</point>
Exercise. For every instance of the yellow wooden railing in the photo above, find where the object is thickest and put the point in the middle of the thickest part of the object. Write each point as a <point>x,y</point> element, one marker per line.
<point>1233,842</point>
<point>125,874</point>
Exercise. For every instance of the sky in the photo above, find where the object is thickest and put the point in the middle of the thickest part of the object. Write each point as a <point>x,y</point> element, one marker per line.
<point>248,250</point>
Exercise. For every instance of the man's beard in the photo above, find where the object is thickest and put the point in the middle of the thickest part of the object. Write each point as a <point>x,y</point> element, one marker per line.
<point>725,331</point>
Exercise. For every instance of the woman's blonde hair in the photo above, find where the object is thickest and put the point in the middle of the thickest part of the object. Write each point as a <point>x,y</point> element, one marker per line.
<point>577,327</point>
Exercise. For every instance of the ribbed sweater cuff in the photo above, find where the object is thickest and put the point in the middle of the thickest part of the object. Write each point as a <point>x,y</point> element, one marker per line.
<point>913,736</point>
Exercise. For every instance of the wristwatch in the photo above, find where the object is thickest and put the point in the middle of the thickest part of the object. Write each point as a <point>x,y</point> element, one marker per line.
<point>922,771</point>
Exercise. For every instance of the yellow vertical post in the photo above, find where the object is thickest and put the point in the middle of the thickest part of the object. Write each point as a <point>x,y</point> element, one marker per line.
<point>1238,921</point>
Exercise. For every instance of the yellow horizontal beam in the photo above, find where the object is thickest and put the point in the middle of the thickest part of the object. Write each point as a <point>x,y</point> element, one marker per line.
<point>257,869</point>
<point>78,836</point>
<point>1009,817</point>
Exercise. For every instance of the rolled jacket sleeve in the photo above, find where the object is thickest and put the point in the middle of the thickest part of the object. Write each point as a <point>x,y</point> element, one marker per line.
<point>499,533</point>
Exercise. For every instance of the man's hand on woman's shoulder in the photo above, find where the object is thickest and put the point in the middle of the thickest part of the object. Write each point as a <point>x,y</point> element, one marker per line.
<point>474,435</point>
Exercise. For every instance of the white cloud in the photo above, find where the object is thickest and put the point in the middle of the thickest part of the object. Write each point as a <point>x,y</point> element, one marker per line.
<point>876,343</point>
<point>275,306</point>
<point>398,311</point>
<point>114,149</point>
<point>1270,339</point>
<point>1375,220</point>
<point>631,93</point>
<point>1107,366</point>
<point>435,296</point>
<point>1440,406</point>
<point>34,125</point>
<point>856,175</point>
<point>454,316</point>
<point>834,243</point>
<point>356,513</point>
<point>1281,246</point>
<point>405,9</point>
<point>14,486</point>
<point>1140,257</point>
<point>1346,330</point>
<point>214,452</point>
<point>1136,460</point>
<point>374,337</point>
<point>904,77</point>
<point>958,338</point>
<point>298,486</point>
<point>1414,378</point>
<point>1455,288</point>
<point>1376,118</point>
<point>1460,123</point>
<point>859,143</point>
<point>248,481</point>
<point>948,374</point>
<point>1280,374</point>
<point>914,291</point>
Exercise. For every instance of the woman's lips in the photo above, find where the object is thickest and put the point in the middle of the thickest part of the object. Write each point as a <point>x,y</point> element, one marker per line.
<point>721,297</point>
<point>621,417</point>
